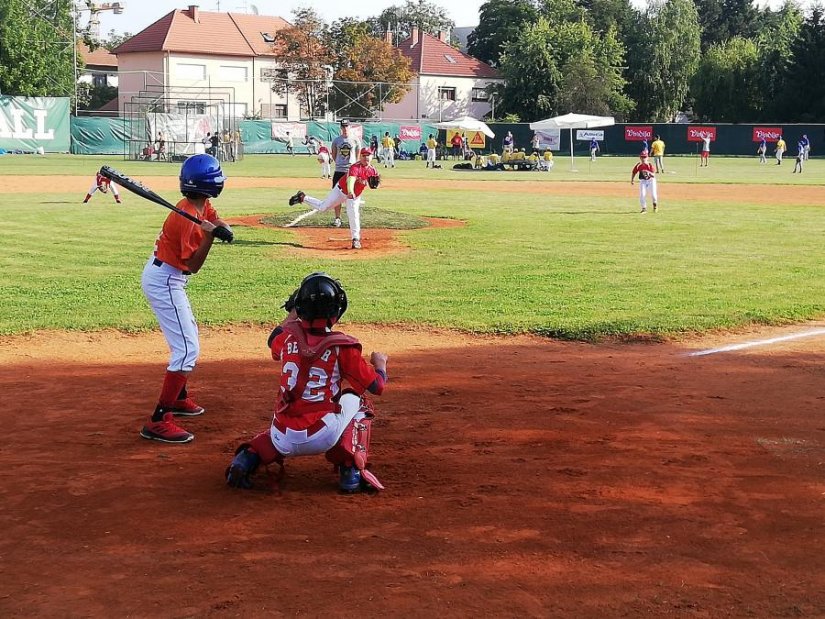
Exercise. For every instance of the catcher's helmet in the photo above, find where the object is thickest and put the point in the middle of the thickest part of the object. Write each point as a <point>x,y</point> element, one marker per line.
<point>321,298</point>
<point>202,174</point>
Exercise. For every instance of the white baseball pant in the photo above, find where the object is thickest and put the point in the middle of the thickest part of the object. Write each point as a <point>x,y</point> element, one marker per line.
<point>645,187</point>
<point>333,199</point>
<point>296,442</point>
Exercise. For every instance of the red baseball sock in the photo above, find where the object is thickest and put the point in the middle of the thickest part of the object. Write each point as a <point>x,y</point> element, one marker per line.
<point>173,383</point>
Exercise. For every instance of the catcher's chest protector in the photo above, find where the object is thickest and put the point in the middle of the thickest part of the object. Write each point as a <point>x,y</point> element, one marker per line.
<point>299,351</point>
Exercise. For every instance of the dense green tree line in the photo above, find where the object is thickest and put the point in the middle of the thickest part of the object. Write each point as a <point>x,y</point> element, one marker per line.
<point>722,60</point>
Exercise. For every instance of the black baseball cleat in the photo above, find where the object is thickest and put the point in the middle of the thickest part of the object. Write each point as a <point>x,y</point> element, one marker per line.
<point>298,198</point>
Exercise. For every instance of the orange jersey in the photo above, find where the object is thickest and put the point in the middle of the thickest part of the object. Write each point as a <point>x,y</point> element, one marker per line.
<point>180,237</point>
<point>361,173</point>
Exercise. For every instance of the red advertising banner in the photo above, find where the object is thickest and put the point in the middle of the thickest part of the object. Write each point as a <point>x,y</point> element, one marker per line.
<point>695,134</point>
<point>638,134</point>
<point>769,134</point>
<point>410,132</point>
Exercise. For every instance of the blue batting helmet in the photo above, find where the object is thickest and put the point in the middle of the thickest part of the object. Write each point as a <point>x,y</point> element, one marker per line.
<point>202,174</point>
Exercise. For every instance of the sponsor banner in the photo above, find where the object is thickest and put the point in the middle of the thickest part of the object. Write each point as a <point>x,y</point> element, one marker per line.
<point>298,131</point>
<point>30,123</point>
<point>638,134</point>
<point>585,135</point>
<point>549,138</point>
<point>696,134</point>
<point>410,132</point>
<point>769,134</point>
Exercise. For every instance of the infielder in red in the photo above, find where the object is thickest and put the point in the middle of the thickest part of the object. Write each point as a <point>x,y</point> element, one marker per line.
<point>647,181</point>
<point>180,251</point>
<point>348,189</point>
<point>314,415</point>
<point>103,185</point>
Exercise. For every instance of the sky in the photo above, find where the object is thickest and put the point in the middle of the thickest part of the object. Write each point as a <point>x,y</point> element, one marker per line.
<point>139,14</point>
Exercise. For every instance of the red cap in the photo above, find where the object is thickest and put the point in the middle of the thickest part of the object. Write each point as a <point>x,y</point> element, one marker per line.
<point>643,153</point>
<point>365,151</point>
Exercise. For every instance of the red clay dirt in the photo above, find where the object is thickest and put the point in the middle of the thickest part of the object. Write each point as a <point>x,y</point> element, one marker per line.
<point>525,478</point>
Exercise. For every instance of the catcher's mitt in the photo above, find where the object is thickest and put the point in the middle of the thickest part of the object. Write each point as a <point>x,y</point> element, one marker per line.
<point>645,175</point>
<point>374,181</point>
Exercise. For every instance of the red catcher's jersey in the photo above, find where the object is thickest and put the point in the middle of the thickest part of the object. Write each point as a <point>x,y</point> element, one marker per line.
<point>323,377</point>
<point>102,181</point>
<point>361,173</point>
<point>643,166</point>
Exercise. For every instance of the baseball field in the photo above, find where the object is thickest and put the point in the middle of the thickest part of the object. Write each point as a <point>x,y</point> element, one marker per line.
<point>591,412</point>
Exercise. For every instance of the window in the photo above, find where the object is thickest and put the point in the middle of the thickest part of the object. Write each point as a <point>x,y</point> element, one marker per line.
<point>232,74</point>
<point>268,38</point>
<point>446,93</point>
<point>188,71</point>
<point>191,107</point>
<point>450,59</point>
<point>480,94</point>
<point>270,74</point>
<point>100,80</point>
<point>279,111</point>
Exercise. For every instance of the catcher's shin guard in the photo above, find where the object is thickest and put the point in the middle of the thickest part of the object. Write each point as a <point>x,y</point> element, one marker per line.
<point>352,449</point>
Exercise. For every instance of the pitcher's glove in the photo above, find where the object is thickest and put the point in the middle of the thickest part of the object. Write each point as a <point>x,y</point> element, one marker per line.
<point>374,181</point>
<point>645,175</point>
<point>224,234</point>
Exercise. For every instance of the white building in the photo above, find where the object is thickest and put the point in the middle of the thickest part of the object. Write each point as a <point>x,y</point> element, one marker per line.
<point>199,55</point>
<point>448,83</point>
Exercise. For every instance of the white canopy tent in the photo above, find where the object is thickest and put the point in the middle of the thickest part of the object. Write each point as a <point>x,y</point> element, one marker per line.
<point>573,121</point>
<point>467,123</point>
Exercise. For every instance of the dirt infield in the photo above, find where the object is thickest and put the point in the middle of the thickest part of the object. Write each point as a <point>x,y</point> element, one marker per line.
<point>757,194</point>
<point>525,478</point>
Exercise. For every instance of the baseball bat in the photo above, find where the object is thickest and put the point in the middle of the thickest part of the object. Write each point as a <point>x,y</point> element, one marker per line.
<point>143,191</point>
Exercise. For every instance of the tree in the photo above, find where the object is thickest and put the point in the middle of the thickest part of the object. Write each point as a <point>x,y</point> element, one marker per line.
<point>400,20</point>
<point>778,32</point>
<point>604,14</point>
<point>724,19</point>
<point>805,74</point>
<point>725,87</point>
<point>37,48</point>
<point>563,66</point>
<point>113,39</point>
<point>369,72</point>
<point>302,56</point>
<point>499,22</point>
<point>663,58</point>
<point>531,73</point>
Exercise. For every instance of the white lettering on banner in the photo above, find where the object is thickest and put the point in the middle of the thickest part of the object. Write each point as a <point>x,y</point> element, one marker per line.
<point>589,134</point>
<point>767,134</point>
<point>20,131</point>
<point>40,116</point>
<point>636,133</point>
<point>698,133</point>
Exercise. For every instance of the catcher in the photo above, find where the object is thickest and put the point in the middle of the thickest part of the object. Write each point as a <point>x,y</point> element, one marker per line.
<point>102,184</point>
<point>348,189</point>
<point>313,415</point>
<point>647,182</point>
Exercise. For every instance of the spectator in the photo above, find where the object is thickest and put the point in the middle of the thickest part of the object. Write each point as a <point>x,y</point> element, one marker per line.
<point>388,150</point>
<point>432,144</point>
<point>658,147</point>
<point>535,143</point>
<point>374,143</point>
<point>457,145</point>
<point>161,147</point>
<point>236,145</point>
<point>780,150</point>
<point>226,145</point>
<point>507,143</point>
<point>215,145</point>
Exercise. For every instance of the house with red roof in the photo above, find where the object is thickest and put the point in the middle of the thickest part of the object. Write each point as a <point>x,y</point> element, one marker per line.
<point>448,83</point>
<point>100,66</point>
<point>201,56</point>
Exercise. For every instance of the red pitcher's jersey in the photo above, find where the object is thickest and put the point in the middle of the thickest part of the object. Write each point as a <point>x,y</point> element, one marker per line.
<point>361,173</point>
<point>321,377</point>
<point>644,166</point>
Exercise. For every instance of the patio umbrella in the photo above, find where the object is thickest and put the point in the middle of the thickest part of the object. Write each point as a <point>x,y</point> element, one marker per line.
<point>467,123</point>
<point>573,121</point>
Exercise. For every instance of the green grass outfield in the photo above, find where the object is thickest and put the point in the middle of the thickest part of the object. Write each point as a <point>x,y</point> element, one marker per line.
<point>525,262</point>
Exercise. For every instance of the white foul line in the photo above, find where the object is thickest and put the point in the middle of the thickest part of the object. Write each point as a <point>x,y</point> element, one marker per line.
<point>772,340</point>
